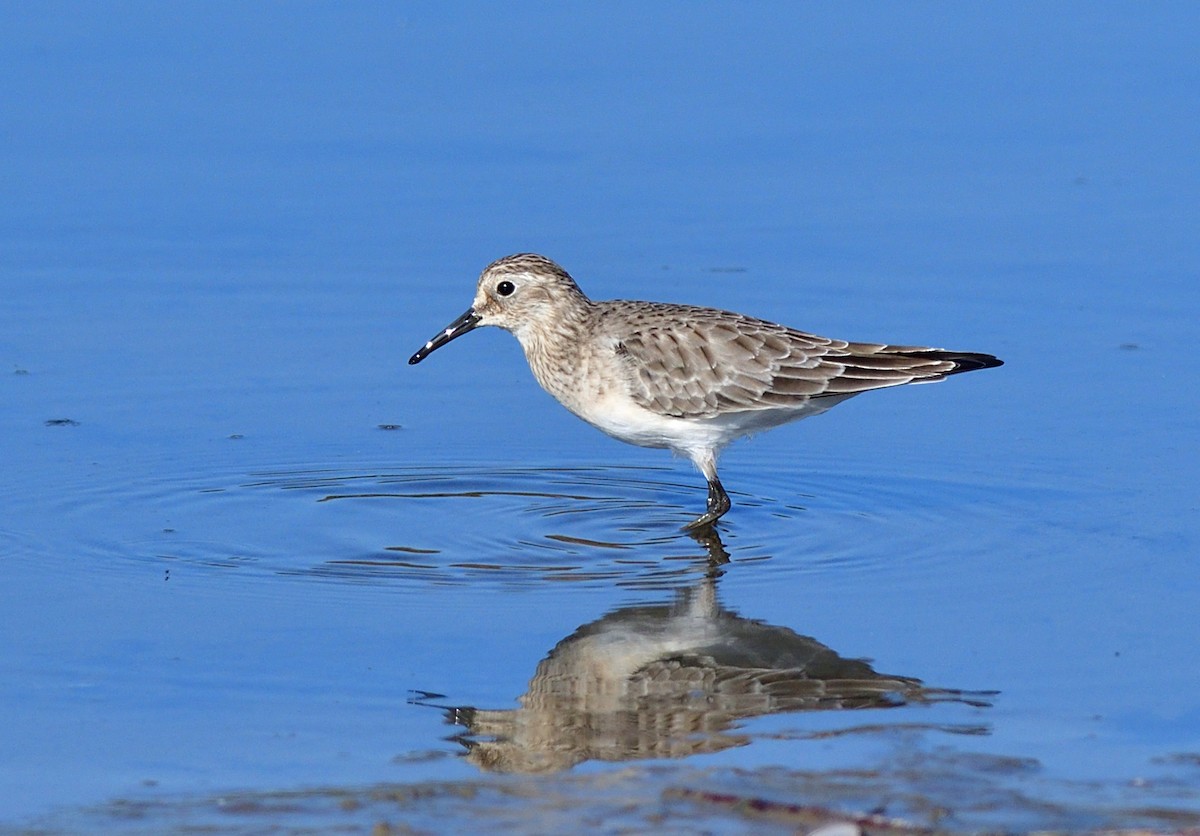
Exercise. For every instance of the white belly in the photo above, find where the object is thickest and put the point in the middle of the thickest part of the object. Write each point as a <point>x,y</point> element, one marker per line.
<point>619,416</point>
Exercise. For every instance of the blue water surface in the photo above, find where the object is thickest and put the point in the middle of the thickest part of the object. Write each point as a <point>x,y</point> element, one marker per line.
<point>246,549</point>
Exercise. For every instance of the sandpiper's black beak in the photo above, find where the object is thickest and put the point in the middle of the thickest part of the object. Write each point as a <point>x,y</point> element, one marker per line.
<point>457,328</point>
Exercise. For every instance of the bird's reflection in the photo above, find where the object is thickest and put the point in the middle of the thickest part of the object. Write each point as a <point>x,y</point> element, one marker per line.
<point>670,681</point>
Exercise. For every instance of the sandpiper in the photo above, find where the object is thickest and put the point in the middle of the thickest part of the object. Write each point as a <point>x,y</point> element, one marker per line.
<point>680,377</point>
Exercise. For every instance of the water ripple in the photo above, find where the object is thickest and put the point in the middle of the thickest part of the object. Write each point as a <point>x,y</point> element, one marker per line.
<point>518,526</point>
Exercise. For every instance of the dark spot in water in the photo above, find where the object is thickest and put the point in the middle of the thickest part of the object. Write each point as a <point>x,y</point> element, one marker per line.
<point>236,437</point>
<point>61,422</point>
<point>390,427</point>
<point>1129,346</point>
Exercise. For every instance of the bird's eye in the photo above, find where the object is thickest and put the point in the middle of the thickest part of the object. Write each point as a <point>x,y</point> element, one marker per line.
<point>505,288</point>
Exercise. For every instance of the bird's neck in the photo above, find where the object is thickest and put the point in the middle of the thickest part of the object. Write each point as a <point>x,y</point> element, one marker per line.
<point>553,344</point>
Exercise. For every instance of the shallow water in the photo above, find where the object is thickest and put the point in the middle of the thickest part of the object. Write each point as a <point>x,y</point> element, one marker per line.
<point>257,570</point>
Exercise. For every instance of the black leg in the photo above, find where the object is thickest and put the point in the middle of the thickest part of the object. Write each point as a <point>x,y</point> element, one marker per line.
<point>718,504</point>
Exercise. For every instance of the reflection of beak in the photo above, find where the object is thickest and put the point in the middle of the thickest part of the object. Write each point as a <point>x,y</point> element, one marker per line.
<point>457,328</point>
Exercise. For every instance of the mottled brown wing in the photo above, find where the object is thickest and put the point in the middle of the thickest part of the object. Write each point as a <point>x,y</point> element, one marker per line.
<point>692,362</point>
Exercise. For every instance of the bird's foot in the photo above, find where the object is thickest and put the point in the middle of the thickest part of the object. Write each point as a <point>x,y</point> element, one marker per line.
<point>703,521</point>
<point>718,504</point>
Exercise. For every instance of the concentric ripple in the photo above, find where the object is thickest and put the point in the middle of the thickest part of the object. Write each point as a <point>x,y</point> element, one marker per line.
<point>504,525</point>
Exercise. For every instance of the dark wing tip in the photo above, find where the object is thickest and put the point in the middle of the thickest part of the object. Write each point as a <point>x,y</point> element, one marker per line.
<point>964,361</point>
<point>972,362</point>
